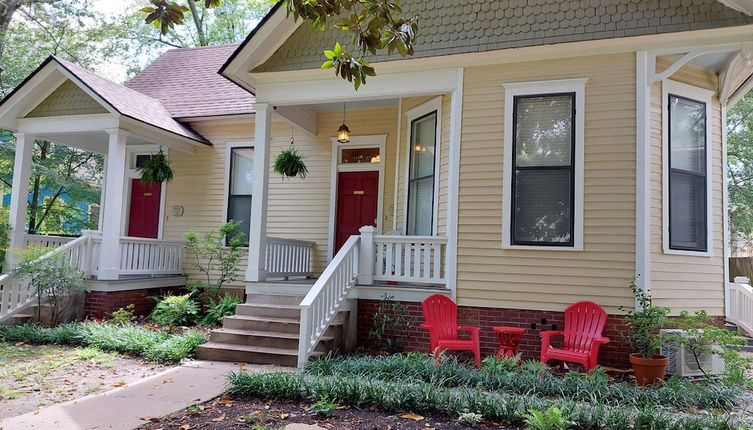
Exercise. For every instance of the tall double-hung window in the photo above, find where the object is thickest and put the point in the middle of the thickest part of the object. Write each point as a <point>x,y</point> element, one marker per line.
<point>543,165</point>
<point>241,189</point>
<point>686,168</point>
<point>422,169</point>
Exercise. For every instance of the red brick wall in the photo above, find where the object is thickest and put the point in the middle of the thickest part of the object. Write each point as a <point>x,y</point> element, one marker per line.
<point>613,354</point>
<point>100,304</point>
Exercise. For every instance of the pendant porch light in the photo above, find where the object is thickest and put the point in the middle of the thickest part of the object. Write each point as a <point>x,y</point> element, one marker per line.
<point>343,133</point>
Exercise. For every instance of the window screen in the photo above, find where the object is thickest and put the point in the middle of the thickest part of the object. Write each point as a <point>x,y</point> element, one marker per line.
<point>421,176</point>
<point>241,189</point>
<point>543,170</point>
<point>687,174</point>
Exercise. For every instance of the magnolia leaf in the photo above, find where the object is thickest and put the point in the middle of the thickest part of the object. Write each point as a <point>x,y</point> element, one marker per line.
<point>330,54</point>
<point>327,65</point>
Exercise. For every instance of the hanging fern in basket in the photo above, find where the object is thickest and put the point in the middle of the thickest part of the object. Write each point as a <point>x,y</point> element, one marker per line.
<point>156,169</point>
<point>289,162</point>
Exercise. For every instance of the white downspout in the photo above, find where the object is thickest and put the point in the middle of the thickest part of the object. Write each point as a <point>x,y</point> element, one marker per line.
<point>642,172</point>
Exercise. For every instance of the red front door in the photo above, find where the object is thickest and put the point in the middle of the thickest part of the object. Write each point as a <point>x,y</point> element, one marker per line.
<point>357,197</point>
<point>143,216</point>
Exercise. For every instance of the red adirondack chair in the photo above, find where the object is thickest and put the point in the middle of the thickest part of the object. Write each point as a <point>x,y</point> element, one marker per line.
<point>441,315</point>
<point>584,322</point>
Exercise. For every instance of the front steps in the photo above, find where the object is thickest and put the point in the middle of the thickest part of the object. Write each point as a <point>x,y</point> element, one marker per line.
<point>265,329</point>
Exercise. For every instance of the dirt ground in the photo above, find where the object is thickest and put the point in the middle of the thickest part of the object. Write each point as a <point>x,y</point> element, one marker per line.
<point>32,377</point>
<point>226,413</point>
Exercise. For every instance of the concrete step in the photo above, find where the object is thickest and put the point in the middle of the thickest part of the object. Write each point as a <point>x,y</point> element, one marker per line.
<point>250,354</point>
<point>281,299</point>
<point>266,338</point>
<point>256,323</point>
<point>269,310</point>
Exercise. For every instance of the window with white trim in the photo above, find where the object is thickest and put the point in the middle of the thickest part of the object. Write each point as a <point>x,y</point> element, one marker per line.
<point>543,165</point>
<point>686,168</point>
<point>241,188</point>
<point>421,176</point>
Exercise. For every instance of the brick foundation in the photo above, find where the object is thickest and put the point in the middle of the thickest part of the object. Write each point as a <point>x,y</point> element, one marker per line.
<point>613,354</point>
<point>101,304</point>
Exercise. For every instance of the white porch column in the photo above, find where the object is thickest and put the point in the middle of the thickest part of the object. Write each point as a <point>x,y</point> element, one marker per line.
<point>109,255</point>
<point>256,271</point>
<point>19,198</point>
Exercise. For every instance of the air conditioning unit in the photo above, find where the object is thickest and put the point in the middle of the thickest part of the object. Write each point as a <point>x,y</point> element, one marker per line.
<point>683,363</point>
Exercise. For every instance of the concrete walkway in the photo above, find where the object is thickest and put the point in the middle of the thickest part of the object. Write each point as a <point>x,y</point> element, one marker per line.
<point>125,408</point>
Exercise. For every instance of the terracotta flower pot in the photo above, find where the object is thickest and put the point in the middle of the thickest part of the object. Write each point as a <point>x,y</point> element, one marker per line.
<point>648,370</point>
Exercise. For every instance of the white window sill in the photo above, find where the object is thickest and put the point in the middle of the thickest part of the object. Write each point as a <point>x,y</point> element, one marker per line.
<point>688,253</point>
<point>543,248</point>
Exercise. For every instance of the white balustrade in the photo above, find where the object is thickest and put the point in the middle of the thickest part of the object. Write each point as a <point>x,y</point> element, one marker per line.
<point>740,304</point>
<point>288,257</point>
<point>45,241</point>
<point>140,256</point>
<point>16,291</point>
<point>325,299</point>
<point>412,259</point>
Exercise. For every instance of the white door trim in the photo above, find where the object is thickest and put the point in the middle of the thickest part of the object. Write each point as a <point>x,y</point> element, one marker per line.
<point>370,141</point>
<point>131,173</point>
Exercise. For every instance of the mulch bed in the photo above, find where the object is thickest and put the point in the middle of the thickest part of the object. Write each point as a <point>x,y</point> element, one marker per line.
<point>225,413</point>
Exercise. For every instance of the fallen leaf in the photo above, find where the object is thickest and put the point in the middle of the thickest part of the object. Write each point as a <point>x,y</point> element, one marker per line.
<point>152,419</point>
<point>118,385</point>
<point>184,427</point>
<point>225,400</point>
<point>239,363</point>
<point>282,417</point>
<point>220,418</point>
<point>414,417</point>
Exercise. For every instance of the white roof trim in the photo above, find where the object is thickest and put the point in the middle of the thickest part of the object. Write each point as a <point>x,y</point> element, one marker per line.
<point>744,6</point>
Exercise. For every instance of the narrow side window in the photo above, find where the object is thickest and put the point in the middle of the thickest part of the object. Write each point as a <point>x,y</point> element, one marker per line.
<point>240,189</point>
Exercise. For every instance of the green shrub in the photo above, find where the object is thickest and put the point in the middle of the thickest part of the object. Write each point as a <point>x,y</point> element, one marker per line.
<point>220,309</point>
<point>553,418</point>
<point>470,418</point>
<point>173,311</point>
<point>176,348</point>
<point>154,345</point>
<point>216,255</point>
<point>124,316</point>
<point>533,378</point>
<point>391,396</point>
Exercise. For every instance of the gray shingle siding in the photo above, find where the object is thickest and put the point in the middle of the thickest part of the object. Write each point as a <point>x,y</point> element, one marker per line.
<point>459,26</point>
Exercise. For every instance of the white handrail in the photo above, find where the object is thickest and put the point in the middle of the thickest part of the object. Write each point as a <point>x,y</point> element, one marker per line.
<point>740,310</point>
<point>16,291</point>
<point>414,259</point>
<point>143,256</point>
<point>288,257</point>
<point>47,241</point>
<point>324,300</point>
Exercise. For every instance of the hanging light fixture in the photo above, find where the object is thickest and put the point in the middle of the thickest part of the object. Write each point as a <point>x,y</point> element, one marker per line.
<point>343,133</point>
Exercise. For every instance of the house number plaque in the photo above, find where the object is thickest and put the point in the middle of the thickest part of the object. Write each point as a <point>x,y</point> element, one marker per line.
<point>359,192</point>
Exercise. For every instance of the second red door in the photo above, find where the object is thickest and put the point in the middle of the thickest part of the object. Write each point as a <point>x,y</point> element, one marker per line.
<point>357,197</point>
<point>143,215</point>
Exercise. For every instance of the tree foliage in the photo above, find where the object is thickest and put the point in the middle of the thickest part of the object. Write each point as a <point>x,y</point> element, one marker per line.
<point>374,26</point>
<point>740,166</point>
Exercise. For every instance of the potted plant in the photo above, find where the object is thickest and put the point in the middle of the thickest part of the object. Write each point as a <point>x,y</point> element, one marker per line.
<point>156,169</point>
<point>290,163</point>
<point>644,323</point>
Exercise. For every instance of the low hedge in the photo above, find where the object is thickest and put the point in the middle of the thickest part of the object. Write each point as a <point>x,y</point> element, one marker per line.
<point>153,345</point>
<point>497,406</point>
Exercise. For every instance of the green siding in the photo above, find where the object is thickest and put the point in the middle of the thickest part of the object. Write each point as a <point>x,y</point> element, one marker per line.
<point>461,26</point>
<point>67,99</point>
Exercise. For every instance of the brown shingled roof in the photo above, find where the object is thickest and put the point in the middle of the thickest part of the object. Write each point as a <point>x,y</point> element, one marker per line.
<point>131,103</point>
<point>185,80</point>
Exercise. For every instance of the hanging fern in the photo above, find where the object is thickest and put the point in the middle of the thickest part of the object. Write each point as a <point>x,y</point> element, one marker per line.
<point>289,162</point>
<point>156,169</point>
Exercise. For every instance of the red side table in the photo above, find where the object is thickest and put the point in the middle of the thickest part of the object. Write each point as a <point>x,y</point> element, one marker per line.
<point>509,339</point>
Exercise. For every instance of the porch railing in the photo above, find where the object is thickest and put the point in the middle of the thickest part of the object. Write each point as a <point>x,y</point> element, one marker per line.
<point>139,256</point>
<point>412,259</point>
<point>16,291</point>
<point>40,240</point>
<point>325,299</point>
<point>740,304</point>
<point>288,257</point>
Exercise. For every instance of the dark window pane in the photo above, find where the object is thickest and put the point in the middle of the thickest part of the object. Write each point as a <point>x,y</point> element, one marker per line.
<point>141,159</point>
<point>542,206</point>
<point>543,130</point>
<point>687,211</point>
<point>687,134</point>
<point>421,181</point>
<point>239,209</point>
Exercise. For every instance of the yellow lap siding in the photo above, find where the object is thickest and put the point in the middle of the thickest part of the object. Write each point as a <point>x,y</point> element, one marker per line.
<point>490,276</point>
